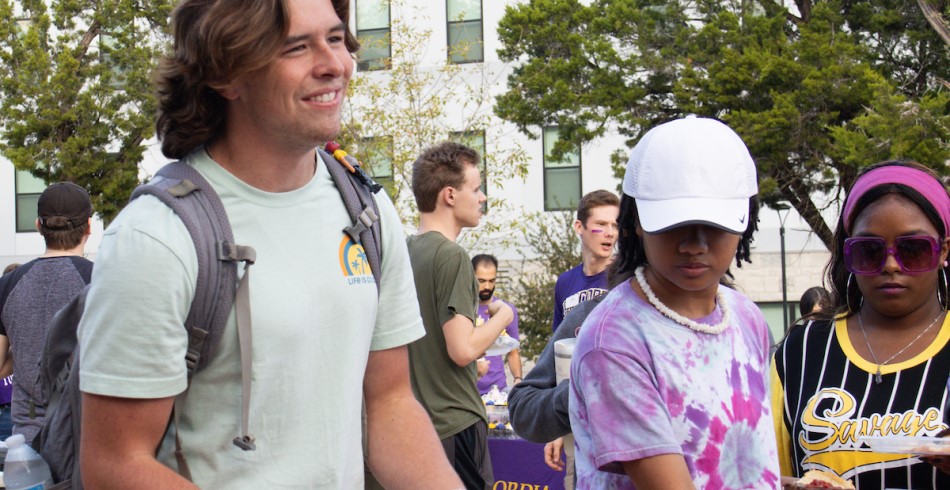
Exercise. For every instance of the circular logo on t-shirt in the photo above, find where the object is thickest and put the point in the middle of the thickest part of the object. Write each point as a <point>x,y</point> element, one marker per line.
<point>353,260</point>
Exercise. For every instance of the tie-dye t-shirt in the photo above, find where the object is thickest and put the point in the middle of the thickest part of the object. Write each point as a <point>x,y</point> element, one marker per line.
<point>643,385</point>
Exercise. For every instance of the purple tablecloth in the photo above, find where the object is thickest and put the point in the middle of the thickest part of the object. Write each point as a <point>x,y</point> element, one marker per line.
<point>519,465</point>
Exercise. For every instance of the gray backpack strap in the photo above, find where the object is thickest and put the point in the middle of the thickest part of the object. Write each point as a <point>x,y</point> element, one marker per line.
<point>183,189</point>
<point>58,379</point>
<point>357,189</point>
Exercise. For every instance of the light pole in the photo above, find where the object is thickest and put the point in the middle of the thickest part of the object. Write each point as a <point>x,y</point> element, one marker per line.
<point>779,207</point>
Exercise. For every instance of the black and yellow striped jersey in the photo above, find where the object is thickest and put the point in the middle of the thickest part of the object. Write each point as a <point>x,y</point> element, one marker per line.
<point>825,400</point>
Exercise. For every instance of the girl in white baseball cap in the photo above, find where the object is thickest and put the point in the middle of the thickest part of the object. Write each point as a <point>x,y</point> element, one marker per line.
<point>669,382</point>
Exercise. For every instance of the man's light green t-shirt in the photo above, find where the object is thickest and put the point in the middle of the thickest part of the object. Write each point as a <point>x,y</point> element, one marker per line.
<point>315,317</point>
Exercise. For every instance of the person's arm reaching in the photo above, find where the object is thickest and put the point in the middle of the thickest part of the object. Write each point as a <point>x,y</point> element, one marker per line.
<point>538,405</point>
<point>119,438</point>
<point>404,450</point>
<point>466,342</point>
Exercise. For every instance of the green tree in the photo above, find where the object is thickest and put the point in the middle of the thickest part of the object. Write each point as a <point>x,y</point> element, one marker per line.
<point>809,88</point>
<point>75,93</point>
<point>550,247</point>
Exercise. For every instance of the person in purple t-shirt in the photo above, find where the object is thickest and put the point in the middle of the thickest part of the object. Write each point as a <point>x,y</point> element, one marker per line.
<point>6,396</point>
<point>486,271</point>
<point>596,224</point>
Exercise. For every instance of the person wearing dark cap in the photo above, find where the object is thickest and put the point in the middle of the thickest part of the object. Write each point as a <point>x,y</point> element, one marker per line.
<point>32,293</point>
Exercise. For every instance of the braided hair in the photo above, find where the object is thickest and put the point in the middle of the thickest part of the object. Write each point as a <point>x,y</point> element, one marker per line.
<point>631,254</point>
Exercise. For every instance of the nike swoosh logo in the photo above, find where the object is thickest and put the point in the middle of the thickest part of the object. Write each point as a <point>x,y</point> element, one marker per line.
<point>742,219</point>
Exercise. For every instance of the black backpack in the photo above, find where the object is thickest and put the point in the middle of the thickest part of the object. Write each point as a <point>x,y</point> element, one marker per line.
<point>217,290</point>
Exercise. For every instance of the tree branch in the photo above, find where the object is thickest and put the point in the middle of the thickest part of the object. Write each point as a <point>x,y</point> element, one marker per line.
<point>935,20</point>
<point>793,189</point>
<point>789,16</point>
<point>94,30</point>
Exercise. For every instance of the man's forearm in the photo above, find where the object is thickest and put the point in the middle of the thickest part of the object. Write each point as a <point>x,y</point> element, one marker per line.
<point>514,364</point>
<point>146,473</point>
<point>120,436</point>
<point>404,450</point>
<point>466,342</point>
<point>486,333</point>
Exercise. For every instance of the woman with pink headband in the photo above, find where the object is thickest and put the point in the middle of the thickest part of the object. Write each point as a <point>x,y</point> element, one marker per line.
<point>879,366</point>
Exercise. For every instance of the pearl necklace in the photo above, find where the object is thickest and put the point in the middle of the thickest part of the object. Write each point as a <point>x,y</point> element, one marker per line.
<point>682,320</point>
<point>877,375</point>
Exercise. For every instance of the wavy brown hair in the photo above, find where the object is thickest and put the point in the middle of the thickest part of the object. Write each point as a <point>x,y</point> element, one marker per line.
<point>214,43</point>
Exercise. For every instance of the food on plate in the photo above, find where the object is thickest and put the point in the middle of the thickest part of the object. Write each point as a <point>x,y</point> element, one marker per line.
<point>932,449</point>
<point>823,479</point>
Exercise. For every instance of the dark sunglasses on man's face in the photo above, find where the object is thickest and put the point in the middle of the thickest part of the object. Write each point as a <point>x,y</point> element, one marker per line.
<point>914,254</point>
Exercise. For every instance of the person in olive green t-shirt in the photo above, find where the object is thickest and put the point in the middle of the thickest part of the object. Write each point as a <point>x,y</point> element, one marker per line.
<point>447,187</point>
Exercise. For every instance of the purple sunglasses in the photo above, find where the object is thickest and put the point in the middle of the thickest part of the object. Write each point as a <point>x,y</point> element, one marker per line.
<point>914,254</point>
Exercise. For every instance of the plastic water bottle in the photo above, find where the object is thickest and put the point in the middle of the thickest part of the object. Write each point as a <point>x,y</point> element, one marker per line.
<point>24,469</point>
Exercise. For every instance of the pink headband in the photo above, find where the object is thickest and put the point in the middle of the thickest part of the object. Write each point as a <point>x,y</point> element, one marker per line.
<point>920,181</point>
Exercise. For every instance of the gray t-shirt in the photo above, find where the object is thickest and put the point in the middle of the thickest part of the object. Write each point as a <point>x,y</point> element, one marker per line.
<point>42,287</point>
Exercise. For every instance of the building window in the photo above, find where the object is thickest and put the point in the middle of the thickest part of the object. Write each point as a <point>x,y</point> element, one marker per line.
<point>372,30</point>
<point>476,141</point>
<point>465,37</point>
<point>376,155</point>
<point>28,190</point>
<point>108,50</point>
<point>562,177</point>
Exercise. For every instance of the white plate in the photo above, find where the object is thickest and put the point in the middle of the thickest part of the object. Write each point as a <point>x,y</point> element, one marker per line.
<point>503,344</point>
<point>927,446</point>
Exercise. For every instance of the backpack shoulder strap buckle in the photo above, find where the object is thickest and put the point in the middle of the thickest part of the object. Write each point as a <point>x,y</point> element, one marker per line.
<point>182,188</point>
<point>232,252</point>
<point>364,222</point>
<point>196,338</point>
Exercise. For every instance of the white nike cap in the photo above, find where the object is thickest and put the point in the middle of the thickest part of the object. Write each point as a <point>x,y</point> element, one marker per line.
<point>691,171</point>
